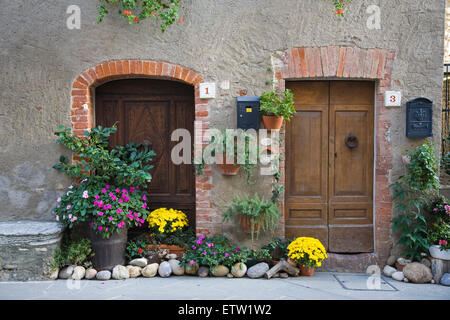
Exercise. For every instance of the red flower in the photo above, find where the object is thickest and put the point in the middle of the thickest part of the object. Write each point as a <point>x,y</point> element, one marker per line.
<point>136,19</point>
<point>154,12</point>
<point>181,20</point>
<point>140,251</point>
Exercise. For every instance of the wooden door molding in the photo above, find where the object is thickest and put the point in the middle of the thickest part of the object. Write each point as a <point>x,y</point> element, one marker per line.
<point>208,219</point>
<point>350,63</point>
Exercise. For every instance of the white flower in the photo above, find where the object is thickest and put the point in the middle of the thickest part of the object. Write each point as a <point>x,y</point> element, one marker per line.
<point>57,218</point>
<point>85,194</point>
<point>59,199</point>
<point>70,187</point>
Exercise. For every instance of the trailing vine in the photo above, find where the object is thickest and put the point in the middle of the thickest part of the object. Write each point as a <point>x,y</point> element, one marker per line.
<point>137,10</point>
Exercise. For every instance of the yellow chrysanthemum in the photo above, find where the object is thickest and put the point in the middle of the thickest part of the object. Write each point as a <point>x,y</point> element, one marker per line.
<point>162,217</point>
<point>306,250</point>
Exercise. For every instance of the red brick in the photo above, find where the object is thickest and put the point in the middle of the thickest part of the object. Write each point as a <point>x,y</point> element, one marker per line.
<point>112,68</point>
<point>341,61</point>
<point>152,68</point>
<point>133,67</point>
<point>190,77</point>
<point>79,119</point>
<point>348,62</point>
<point>80,92</point>
<point>139,67</point>
<point>79,85</point>
<point>87,77</point>
<point>99,72</point>
<point>310,61</point>
<point>324,58</point>
<point>178,71</point>
<point>126,66</point>
<point>159,68</point>
<point>303,64</point>
<point>105,68</point>
<point>146,68</point>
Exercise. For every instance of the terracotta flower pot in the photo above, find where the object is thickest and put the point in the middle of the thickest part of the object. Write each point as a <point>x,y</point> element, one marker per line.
<point>247,225</point>
<point>226,169</point>
<point>399,266</point>
<point>272,122</point>
<point>307,272</point>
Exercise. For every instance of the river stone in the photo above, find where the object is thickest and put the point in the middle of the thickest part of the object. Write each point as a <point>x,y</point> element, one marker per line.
<point>90,274</point>
<point>220,271</point>
<point>140,262</point>
<point>78,273</point>
<point>171,256</point>
<point>54,274</point>
<point>391,261</point>
<point>66,272</point>
<point>150,270</point>
<point>203,271</point>
<point>120,273</point>
<point>176,269</point>
<point>164,269</point>
<point>399,276</point>
<point>445,280</point>
<point>153,257</point>
<point>134,271</point>
<point>284,275</point>
<point>403,261</point>
<point>388,271</point>
<point>437,269</point>
<point>239,270</point>
<point>230,275</point>
<point>417,273</point>
<point>426,262</point>
<point>191,269</point>
<point>103,275</point>
<point>258,270</point>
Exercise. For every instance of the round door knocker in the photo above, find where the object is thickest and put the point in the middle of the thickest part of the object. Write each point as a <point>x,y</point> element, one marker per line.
<point>351,141</point>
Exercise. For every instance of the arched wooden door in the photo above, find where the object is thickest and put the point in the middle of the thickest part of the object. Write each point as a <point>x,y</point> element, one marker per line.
<point>148,111</point>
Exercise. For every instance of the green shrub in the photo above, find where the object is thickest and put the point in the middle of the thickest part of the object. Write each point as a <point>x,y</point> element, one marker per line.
<point>73,251</point>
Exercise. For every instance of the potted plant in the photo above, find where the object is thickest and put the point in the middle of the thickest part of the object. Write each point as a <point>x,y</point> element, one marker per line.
<point>276,107</point>
<point>308,253</point>
<point>169,230</point>
<point>253,213</point>
<point>277,249</point>
<point>439,228</point>
<point>110,196</point>
<point>136,249</point>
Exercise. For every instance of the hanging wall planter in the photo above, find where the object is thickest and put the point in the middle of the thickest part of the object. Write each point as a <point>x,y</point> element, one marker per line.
<point>272,122</point>
<point>225,168</point>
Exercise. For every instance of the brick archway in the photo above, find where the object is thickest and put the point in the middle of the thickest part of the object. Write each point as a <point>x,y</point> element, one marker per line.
<point>82,112</point>
<point>351,63</point>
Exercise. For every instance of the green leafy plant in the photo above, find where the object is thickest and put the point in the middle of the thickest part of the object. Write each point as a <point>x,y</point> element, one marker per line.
<point>136,249</point>
<point>263,213</point>
<point>339,5</point>
<point>73,251</point>
<point>445,160</point>
<point>278,248</point>
<point>134,11</point>
<point>439,222</point>
<point>276,104</point>
<point>411,193</point>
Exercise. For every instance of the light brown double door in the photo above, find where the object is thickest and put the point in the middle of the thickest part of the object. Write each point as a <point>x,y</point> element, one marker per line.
<point>329,164</point>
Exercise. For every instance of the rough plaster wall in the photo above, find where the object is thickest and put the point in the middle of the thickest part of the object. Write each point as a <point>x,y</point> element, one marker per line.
<point>223,40</point>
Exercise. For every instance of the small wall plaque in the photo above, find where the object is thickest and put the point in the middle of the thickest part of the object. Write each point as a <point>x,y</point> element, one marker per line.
<point>392,99</point>
<point>207,90</point>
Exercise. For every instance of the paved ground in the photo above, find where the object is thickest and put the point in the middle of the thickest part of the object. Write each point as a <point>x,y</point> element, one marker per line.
<point>322,285</point>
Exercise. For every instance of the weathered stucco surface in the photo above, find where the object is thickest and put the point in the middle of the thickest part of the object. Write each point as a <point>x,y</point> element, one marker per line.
<point>222,40</point>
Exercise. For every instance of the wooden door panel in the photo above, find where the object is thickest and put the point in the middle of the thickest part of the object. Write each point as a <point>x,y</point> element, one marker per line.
<point>346,162</point>
<point>148,111</point>
<point>329,186</point>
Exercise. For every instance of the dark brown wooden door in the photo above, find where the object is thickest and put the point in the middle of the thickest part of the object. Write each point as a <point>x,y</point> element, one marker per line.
<point>148,111</point>
<point>329,179</point>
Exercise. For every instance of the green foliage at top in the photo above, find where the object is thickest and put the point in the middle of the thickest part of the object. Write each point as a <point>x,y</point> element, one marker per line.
<point>137,10</point>
<point>279,105</point>
<point>127,165</point>
<point>73,251</point>
<point>411,193</point>
<point>261,212</point>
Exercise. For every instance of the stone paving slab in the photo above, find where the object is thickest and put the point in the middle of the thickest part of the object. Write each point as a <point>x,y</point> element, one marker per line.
<point>322,286</point>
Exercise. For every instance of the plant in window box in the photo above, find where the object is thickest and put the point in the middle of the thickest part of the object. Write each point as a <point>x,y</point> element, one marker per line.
<point>254,214</point>
<point>169,229</point>
<point>308,253</point>
<point>276,107</point>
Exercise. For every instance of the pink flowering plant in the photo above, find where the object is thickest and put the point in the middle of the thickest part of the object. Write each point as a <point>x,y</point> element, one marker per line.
<point>439,225</point>
<point>213,251</point>
<point>116,209</point>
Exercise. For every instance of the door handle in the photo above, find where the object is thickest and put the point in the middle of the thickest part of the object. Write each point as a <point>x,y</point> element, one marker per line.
<point>351,141</point>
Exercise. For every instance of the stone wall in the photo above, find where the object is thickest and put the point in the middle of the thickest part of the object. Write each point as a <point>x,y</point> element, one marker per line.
<point>220,40</point>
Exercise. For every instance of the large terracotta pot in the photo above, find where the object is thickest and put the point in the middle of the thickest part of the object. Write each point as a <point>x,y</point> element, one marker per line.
<point>272,122</point>
<point>108,252</point>
<point>308,272</point>
<point>226,169</point>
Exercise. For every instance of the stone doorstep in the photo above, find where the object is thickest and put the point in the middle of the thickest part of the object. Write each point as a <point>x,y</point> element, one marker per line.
<point>26,249</point>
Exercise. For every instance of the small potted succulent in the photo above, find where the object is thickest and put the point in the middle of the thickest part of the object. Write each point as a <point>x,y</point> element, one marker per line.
<point>308,253</point>
<point>276,107</point>
<point>253,213</point>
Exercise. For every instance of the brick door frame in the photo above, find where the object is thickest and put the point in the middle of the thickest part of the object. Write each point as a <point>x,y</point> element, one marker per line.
<point>349,63</point>
<point>83,114</point>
